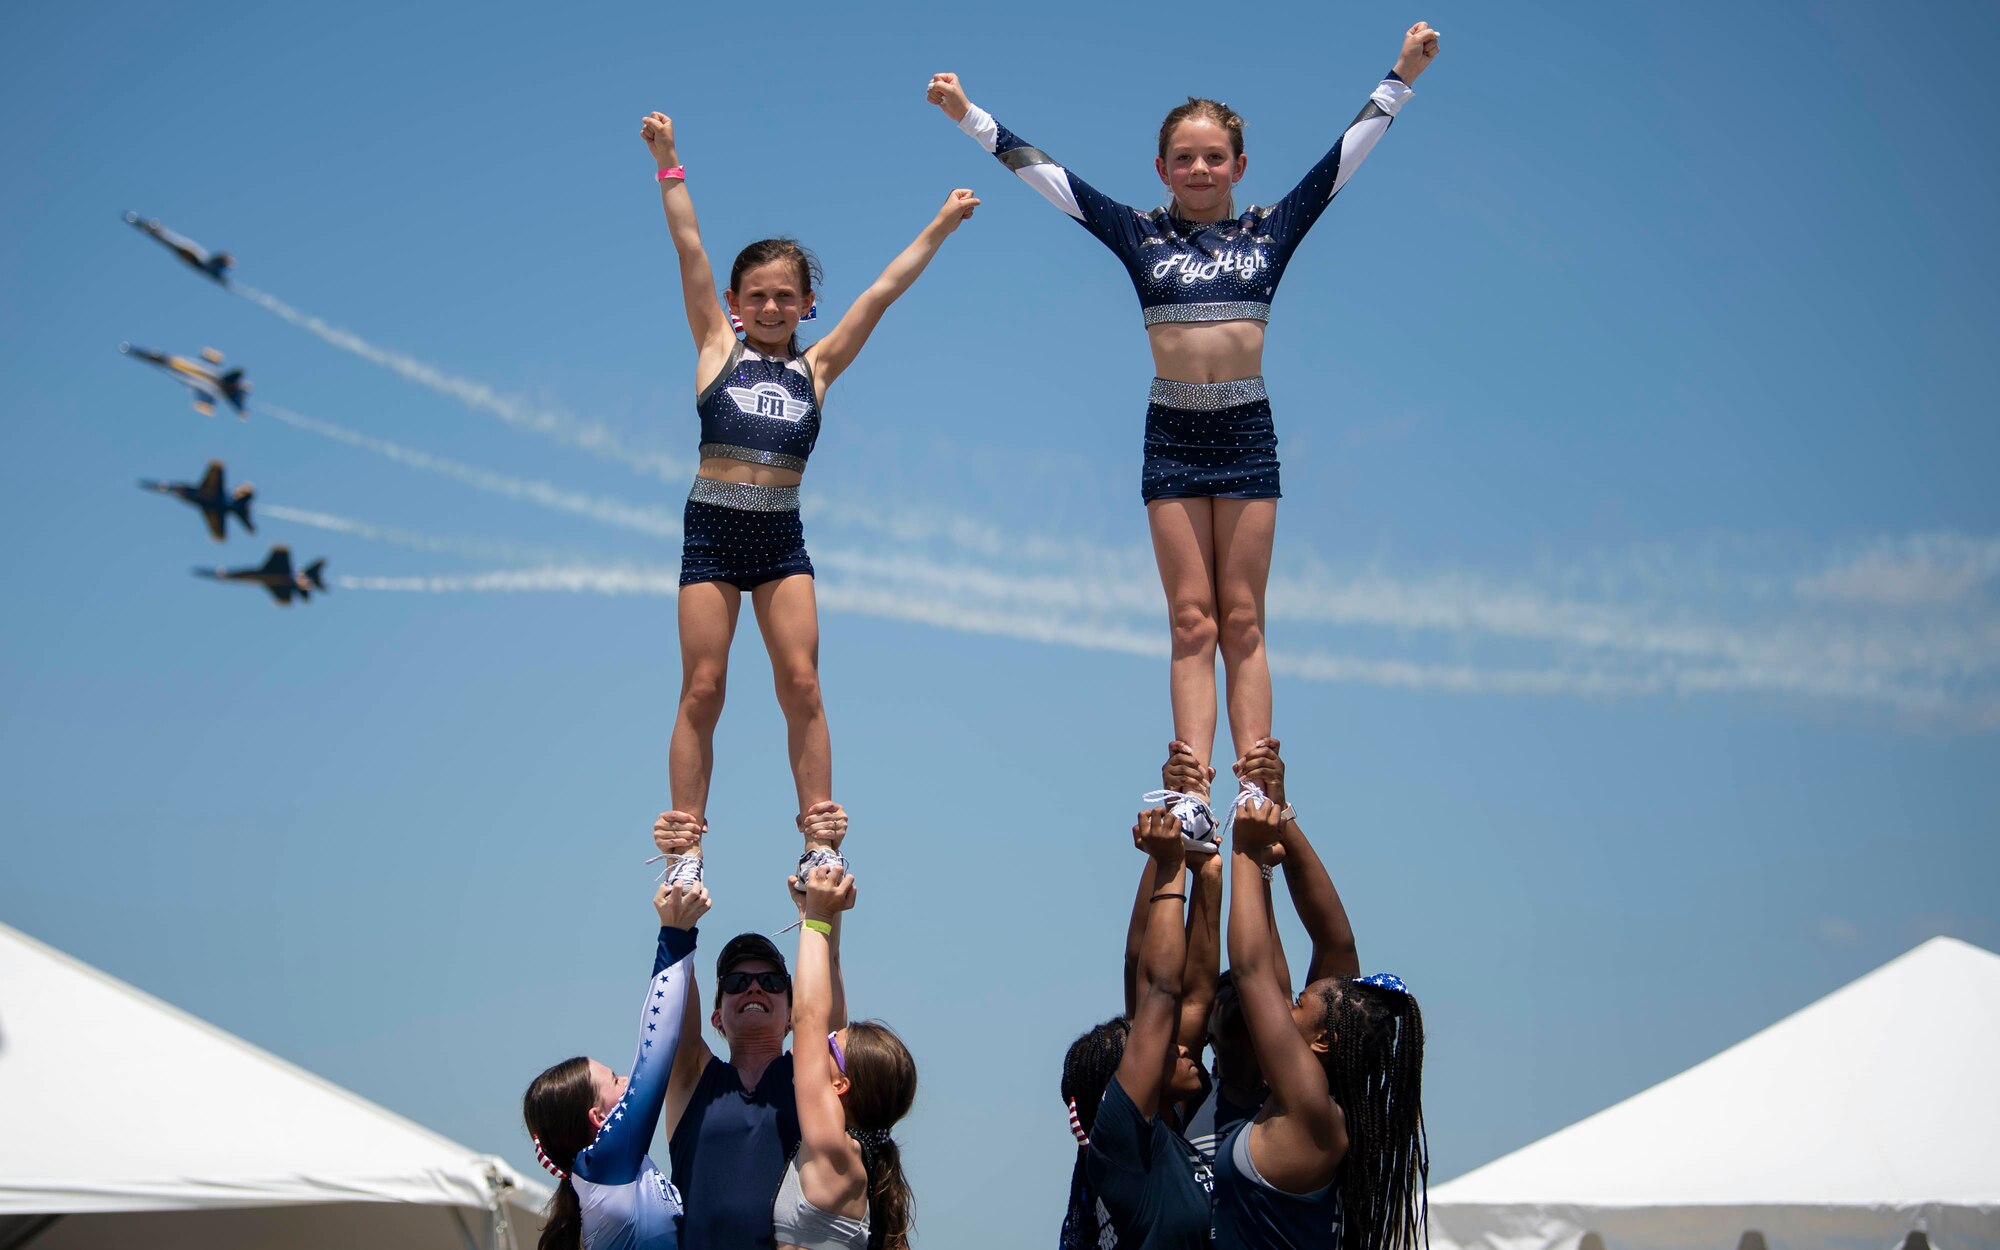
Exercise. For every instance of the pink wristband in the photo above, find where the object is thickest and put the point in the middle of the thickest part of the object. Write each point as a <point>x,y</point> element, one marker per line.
<point>676,172</point>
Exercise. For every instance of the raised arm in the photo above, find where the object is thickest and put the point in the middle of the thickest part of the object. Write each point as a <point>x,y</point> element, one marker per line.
<point>832,354</point>
<point>675,833</point>
<point>827,1157</point>
<point>712,335</point>
<point>1149,1047</point>
<point>1293,216</point>
<point>1306,879</point>
<point>1114,224</point>
<point>1300,1137</point>
<point>616,1154</point>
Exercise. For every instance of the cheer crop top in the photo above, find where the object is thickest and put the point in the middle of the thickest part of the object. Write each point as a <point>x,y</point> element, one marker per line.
<point>761,409</point>
<point>1199,271</point>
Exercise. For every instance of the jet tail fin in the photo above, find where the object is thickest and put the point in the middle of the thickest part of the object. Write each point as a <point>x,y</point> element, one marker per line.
<point>240,505</point>
<point>313,571</point>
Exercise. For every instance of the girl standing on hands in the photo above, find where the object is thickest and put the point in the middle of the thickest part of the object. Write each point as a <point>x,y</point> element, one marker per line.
<point>1205,274</point>
<point>759,400</point>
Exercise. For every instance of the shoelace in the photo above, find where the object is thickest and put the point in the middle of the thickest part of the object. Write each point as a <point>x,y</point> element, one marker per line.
<point>1248,792</point>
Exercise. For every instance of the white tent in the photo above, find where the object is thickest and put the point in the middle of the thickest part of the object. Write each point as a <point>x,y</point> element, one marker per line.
<point>1867,1116</point>
<point>126,1122</point>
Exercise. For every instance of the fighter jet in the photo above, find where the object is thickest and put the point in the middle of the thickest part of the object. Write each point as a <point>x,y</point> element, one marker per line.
<point>214,265</point>
<point>206,380</point>
<point>215,500</point>
<point>276,576</point>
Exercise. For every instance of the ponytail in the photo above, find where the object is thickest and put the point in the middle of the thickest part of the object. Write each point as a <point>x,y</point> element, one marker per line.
<point>882,1085</point>
<point>557,1111</point>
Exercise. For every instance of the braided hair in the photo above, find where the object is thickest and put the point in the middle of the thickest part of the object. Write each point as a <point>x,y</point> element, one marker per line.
<point>557,1111</point>
<point>1087,1071</point>
<point>1374,1065</point>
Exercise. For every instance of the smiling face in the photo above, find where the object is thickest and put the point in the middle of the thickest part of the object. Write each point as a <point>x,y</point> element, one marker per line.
<point>1200,167</point>
<point>770,299</point>
<point>753,1011</point>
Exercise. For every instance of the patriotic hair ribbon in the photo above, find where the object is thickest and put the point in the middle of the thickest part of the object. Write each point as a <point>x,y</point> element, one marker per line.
<point>1076,1125</point>
<point>542,1156</point>
<point>1385,980</point>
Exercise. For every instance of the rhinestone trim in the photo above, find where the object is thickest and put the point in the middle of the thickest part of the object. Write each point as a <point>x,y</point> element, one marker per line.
<point>744,497</point>
<point>1242,310</point>
<point>1207,396</point>
<point>776,459</point>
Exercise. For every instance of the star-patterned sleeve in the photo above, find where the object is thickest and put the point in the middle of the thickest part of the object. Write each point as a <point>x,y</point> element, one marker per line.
<point>1114,224</point>
<point>616,1154</point>
<point>1291,217</point>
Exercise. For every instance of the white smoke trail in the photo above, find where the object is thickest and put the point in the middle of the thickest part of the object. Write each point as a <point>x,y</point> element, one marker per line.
<point>602,508</point>
<point>926,606</point>
<point>589,436</point>
<point>476,548</point>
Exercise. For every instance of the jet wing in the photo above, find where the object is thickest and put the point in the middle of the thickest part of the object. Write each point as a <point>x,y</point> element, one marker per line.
<point>279,565</point>
<point>216,520</point>
<point>282,593</point>
<point>211,481</point>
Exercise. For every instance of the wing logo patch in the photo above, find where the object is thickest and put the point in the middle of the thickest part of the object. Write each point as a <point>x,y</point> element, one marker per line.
<point>768,399</point>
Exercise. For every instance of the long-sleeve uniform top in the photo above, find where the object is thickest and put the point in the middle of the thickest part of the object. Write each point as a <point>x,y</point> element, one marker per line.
<point>1199,271</point>
<point>628,1204</point>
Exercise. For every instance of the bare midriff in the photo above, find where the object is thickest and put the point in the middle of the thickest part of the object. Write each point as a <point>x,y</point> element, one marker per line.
<point>1207,351</point>
<point>723,469</point>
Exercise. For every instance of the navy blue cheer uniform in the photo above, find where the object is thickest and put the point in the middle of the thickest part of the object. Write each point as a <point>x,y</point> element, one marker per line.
<point>1203,440</point>
<point>1153,1185</point>
<point>760,409</point>
<point>627,1202</point>
<point>1253,1214</point>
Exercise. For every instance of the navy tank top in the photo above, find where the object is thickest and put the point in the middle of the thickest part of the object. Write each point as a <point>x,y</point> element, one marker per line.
<point>729,1153</point>
<point>761,409</point>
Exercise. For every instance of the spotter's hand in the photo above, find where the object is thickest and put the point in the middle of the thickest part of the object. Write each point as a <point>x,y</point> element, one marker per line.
<point>680,905</point>
<point>1183,771</point>
<point>677,833</point>
<point>945,92</point>
<point>1158,833</point>
<point>823,824</point>
<point>829,891</point>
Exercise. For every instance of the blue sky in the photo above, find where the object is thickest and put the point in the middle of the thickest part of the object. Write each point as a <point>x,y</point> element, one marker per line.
<point>1635,596</point>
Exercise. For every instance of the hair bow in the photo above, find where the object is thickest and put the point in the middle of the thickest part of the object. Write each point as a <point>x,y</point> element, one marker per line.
<point>1385,980</point>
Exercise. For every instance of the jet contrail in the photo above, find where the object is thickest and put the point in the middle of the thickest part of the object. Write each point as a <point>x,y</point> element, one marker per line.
<point>1921,702</point>
<point>589,436</point>
<point>478,549</point>
<point>635,517</point>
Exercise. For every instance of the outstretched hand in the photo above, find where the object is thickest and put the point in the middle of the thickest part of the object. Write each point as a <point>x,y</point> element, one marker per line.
<point>829,891</point>
<point>677,833</point>
<point>1256,830</point>
<point>657,129</point>
<point>680,905</point>
<point>947,94</point>
<point>958,207</point>
<point>1420,48</point>
<point>1158,833</point>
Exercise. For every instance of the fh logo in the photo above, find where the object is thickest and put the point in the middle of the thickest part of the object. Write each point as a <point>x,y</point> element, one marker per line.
<point>768,399</point>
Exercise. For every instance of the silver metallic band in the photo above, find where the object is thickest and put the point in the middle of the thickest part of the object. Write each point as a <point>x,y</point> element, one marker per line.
<point>1240,310</point>
<point>776,459</point>
<point>745,497</point>
<point>1207,396</point>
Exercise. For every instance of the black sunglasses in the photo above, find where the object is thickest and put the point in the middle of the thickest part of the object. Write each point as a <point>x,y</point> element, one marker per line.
<point>737,982</point>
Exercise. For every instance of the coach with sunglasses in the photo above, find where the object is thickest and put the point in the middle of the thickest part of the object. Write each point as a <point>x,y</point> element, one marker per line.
<point>732,1124</point>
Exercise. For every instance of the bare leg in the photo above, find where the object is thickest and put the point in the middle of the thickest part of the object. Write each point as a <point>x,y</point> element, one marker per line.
<point>1184,547</point>
<point>1243,533</point>
<point>788,615</point>
<point>707,613</point>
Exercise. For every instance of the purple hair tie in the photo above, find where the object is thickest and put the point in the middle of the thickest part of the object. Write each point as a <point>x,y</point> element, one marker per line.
<point>1385,980</point>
